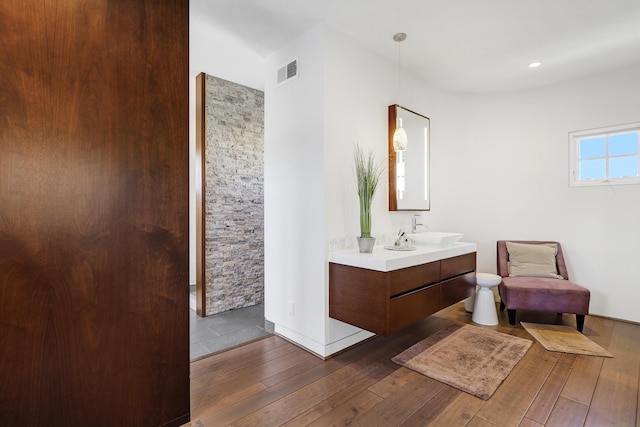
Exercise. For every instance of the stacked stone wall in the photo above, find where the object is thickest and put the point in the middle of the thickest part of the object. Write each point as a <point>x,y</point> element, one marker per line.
<point>234,196</point>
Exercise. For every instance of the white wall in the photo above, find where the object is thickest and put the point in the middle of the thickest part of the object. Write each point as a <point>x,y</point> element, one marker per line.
<point>293,192</point>
<point>353,114</point>
<point>311,124</point>
<point>502,173</point>
<point>219,54</point>
<point>499,170</point>
<point>360,85</point>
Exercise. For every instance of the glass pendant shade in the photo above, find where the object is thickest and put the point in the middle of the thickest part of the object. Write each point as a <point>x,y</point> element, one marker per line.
<point>400,138</point>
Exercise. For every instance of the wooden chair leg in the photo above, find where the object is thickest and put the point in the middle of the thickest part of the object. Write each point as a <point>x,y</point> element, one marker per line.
<point>579,322</point>
<point>512,316</point>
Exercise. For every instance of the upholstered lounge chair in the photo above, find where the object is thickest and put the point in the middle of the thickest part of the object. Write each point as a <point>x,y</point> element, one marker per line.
<point>556,295</point>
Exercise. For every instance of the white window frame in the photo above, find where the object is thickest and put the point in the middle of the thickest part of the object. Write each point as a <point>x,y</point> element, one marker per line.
<point>574,156</point>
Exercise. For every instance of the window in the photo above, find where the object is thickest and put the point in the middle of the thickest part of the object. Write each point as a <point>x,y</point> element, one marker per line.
<point>605,156</point>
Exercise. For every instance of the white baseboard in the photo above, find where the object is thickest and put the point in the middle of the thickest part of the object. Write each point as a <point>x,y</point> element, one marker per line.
<point>321,350</point>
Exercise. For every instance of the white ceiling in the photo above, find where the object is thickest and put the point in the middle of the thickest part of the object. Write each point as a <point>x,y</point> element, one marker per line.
<point>476,46</point>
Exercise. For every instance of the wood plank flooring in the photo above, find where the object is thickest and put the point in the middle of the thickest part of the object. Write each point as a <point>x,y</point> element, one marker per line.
<point>272,382</point>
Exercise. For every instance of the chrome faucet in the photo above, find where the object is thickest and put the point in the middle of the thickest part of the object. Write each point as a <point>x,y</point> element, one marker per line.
<point>415,223</point>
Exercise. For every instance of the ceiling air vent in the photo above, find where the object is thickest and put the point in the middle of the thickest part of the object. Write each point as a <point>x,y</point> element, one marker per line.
<point>287,72</point>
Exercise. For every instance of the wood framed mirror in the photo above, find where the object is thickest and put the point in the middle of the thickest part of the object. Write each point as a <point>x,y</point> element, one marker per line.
<point>409,168</point>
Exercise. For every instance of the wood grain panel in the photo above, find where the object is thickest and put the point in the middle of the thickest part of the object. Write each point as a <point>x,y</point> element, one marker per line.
<point>359,297</point>
<point>511,401</point>
<point>201,196</point>
<point>280,411</point>
<point>94,213</point>
<point>344,414</point>
<point>567,412</point>
<point>451,267</point>
<point>438,402</point>
<point>457,289</point>
<point>407,279</point>
<point>463,407</point>
<point>547,397</point>
<point>410,308</point>
<point>400,396</point>
<point>393,202</point>
<point>583,378</point>
<point>398,407</point>
<point>385,302</point>
<point>615,399</point>
<point>353,390</point>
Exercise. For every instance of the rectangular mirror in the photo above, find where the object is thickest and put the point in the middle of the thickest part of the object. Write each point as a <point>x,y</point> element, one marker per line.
<point>408,167</point>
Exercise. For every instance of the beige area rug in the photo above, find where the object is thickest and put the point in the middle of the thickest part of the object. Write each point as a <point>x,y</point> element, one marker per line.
<point>470,358</point>
<point>564,339</point>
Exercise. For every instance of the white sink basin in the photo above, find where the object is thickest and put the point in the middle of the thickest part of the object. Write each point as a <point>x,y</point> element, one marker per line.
<point>435,238</point>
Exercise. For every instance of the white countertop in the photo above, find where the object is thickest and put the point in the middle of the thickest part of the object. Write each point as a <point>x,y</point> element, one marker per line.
<point>382,259</point>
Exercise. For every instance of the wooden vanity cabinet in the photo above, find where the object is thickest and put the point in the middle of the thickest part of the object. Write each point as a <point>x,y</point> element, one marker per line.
<point>384,302</point>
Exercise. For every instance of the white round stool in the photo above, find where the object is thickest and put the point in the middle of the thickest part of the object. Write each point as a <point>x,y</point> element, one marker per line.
<point>484,309</point>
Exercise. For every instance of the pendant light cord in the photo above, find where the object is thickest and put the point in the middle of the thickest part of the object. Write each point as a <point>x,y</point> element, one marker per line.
<point>399,37</point>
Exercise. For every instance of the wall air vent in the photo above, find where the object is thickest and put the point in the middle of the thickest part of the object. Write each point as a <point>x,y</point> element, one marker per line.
<point>287,72</point>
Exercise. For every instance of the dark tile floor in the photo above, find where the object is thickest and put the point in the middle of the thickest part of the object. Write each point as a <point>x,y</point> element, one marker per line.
<point>219,332</point>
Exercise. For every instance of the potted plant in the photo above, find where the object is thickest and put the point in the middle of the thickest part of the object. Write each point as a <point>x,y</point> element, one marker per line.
<point>368,173</point>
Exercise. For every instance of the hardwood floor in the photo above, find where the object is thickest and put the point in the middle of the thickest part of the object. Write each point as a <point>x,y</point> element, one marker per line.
<point>272,382</point>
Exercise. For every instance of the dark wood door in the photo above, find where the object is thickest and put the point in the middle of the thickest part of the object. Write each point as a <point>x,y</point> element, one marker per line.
<point>94,213</point>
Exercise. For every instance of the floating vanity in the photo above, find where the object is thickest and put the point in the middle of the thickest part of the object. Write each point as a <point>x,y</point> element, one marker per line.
<point>385,291</point>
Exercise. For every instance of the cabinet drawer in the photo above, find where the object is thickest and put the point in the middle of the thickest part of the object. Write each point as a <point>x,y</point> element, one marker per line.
<point>410,308</point>
<point>457,289</point>
<point>358,296</point>
<point>456,266</point>
<point>407,279</point>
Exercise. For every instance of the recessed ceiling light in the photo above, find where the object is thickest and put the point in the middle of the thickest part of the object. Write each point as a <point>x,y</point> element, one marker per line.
<point>535,64</point>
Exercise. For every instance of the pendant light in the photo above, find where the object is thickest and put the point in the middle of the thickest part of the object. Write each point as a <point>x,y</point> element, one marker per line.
<point>400,135</point>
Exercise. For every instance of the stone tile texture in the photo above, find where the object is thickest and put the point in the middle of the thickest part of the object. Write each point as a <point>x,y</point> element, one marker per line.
<point>234,196</point>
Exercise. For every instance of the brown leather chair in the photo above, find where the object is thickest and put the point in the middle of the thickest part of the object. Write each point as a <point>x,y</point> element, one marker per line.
<point>540,293</point>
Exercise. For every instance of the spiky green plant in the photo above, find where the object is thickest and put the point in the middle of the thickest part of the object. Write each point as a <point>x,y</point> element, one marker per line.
<point>368,173</point>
